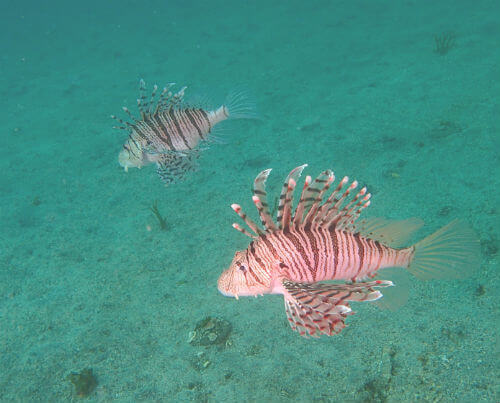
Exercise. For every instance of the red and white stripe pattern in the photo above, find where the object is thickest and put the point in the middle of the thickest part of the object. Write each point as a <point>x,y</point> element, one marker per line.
<point>323,239</point>
<point>166,126</point>
<point>318,254</point>
<point>319,241</point>
<point>173,129</point>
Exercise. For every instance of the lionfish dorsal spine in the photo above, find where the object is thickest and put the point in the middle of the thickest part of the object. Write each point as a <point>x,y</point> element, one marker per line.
<point>248,221</point>
<point>286,198</point>
<point>335,213</point>
<point>152,100</point>
<point>349,211</point>
<point>309,195</point>
<point>237,227</point>
<point>141,102</point>
<point>124,124</point>
<point>299,211</point>
<point>349,223</point>
<point>260,200</point>
<point>311,211</point>
<point>176,99</point>
<point>318,188</point>
<point>287,207</point>
<point>329,205</point>
<point>164,98</point>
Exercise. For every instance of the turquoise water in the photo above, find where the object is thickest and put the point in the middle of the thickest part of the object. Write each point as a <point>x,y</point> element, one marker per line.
<point>88,279</point>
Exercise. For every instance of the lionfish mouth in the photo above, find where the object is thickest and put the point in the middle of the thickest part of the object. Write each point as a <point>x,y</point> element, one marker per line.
<point>228,294</point>
<point>241,294</point>
<point>230,289</point>
<point>223,290</point>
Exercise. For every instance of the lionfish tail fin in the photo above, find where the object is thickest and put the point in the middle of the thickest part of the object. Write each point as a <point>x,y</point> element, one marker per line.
<point>451,252</point>
<point>316,309</point>
<point>239,104</point>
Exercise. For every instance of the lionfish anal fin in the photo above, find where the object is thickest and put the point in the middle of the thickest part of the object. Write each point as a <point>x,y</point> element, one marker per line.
<point>173,166</point>
<point>319,308</point>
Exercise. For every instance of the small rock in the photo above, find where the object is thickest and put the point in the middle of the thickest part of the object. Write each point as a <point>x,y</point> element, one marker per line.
<point>210,331</point>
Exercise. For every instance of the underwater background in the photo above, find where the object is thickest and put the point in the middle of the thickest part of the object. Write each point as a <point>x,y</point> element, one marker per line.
<point>98,301</point>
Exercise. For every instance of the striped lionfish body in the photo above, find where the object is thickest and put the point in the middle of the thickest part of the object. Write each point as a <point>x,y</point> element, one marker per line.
<point>169,131</point>
<point>324,240</point>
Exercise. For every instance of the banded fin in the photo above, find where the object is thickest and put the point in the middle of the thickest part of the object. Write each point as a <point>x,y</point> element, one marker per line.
<point>328,205</point>
<point>173,167</point>
<point>151,105</point>
<point>331,213</point>
<point>320,308</point>
<point>166,99</point>
<point>248,221</point>
<point>124,124</point>
<point>314,194</point>
<point>260,200</point>
<point>286,197</point>
<point>344,217</point>
<point>309,195</point>
<point>299,211</point>
<point>141,101</point>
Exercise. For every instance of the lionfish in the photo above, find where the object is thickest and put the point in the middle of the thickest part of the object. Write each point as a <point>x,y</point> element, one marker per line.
<point>324,240</point>
<point>169,131</point>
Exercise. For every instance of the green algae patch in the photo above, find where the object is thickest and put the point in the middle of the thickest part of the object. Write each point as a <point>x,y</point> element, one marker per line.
<point>211,331</point>
<point>85,382</point>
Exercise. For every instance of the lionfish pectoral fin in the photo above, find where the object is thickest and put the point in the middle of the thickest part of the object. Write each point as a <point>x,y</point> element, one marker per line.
<point>173,167</point>
<point>319,308</point>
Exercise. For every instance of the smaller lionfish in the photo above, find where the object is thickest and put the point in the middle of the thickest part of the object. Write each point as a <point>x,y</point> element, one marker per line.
<point>324,240</point>
<point>169,131</point>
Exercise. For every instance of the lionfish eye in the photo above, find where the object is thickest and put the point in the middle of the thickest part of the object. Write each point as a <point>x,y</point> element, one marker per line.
<point>243,267</point>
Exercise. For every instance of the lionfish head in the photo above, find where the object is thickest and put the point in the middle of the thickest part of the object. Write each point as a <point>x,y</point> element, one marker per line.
<point>243,278</point>
<point>131,156</point>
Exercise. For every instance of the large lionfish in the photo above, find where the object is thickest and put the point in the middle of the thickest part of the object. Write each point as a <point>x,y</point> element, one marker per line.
<point>169,131</point>
<point>324,240</point>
